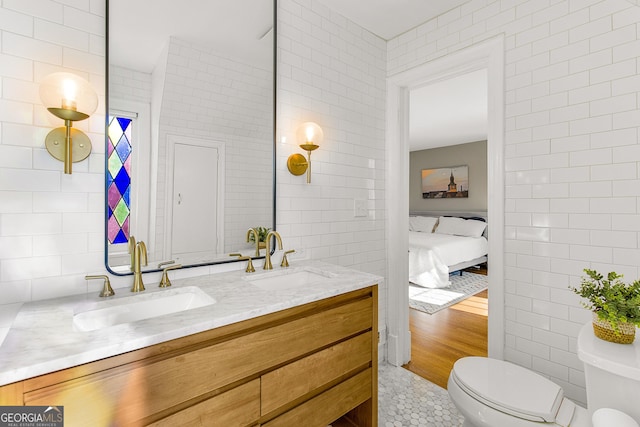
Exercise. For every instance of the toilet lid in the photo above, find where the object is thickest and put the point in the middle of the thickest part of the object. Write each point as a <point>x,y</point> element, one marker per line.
<point>508,388</point>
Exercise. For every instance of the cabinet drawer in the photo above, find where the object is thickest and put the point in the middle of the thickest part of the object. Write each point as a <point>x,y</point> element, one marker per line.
<point>130,393</point>
<point>293,381</point>
<point>296,338</point>
<point>11,394</point>
<point>328,406</point>
<point>237,407</point>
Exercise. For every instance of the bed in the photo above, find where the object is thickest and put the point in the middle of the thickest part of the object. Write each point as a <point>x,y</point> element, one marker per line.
<point>441,245</point>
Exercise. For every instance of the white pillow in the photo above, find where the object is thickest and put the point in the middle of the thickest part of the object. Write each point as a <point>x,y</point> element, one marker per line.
<point>460,226</point>
<point>424,224</point>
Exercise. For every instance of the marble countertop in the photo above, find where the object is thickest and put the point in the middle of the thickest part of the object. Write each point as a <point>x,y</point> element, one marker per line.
<point>43,338</point>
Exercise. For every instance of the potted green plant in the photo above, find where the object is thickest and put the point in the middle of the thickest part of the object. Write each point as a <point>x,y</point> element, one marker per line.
<point>615,305</point>
<point>262,236</point>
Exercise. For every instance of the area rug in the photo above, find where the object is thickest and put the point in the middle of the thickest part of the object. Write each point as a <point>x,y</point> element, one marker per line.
<point>433,300</point>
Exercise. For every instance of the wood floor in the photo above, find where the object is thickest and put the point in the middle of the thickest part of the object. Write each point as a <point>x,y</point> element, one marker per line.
<point>439,339</point>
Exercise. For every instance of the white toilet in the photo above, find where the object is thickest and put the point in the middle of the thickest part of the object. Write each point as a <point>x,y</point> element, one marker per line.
<point>496,393</point>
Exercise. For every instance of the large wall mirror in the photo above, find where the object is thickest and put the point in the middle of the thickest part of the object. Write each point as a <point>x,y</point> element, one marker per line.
<point>190,129</point>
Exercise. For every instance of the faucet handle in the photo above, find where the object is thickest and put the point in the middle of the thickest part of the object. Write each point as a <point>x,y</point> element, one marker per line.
<point>250,268</point>
<point>163,263</point>
<point>107,290</point>
<point>285,261</point>
<point>165,282</point>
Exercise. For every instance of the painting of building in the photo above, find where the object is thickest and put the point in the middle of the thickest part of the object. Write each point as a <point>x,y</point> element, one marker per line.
<point>441,183</point>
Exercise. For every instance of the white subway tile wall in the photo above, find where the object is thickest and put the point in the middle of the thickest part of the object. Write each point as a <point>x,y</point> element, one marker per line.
<point>332,72</point>
<point>571,156</point>
<point>46,221</point>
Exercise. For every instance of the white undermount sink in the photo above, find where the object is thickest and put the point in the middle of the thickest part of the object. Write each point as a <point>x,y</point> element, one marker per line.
<point>140,307</point>
<point>289,279</point>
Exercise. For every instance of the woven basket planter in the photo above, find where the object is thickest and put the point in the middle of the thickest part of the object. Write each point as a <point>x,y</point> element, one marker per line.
<point>603,330</point>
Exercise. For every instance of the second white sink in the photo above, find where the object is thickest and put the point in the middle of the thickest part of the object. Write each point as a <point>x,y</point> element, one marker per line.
<point>140,307</point>
<point>289,279</point>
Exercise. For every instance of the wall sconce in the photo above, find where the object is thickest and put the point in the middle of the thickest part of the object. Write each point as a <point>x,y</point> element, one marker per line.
<point>310,136</point>
<point>72,99</point>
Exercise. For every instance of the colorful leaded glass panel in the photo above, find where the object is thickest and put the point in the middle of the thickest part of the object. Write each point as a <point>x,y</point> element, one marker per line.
<point>119,179</point>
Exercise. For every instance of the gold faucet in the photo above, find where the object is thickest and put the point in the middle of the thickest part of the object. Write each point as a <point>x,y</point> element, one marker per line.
<point>139,256</point>
<point>267,257</point>
<point>255,237</point>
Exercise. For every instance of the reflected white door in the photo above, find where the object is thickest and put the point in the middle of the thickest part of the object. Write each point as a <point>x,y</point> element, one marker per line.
<point>195,201</point>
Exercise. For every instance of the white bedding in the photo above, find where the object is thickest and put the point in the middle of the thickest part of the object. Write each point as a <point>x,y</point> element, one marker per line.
<point>431,254</point>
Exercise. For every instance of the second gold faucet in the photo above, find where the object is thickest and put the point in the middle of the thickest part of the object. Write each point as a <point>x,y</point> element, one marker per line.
<point>138,253</point>
<point>267,256</point>
<point>256,239</point>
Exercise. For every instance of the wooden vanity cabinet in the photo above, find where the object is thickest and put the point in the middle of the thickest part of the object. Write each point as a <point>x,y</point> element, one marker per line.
<point>310,365</point>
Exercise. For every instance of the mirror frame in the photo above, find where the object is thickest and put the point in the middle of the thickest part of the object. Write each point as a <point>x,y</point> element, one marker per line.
<point>106,136</point>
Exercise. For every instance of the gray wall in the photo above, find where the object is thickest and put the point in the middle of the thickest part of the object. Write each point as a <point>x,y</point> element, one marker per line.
<point>473,154</point>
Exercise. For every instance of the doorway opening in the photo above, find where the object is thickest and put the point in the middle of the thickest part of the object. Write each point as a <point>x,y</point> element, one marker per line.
<point>489,55</point>
<point>447,268</point>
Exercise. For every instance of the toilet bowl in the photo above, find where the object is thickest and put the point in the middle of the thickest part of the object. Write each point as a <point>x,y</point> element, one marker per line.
<point>607,417</point>
<point>491,392</point>
<point>495,393</point>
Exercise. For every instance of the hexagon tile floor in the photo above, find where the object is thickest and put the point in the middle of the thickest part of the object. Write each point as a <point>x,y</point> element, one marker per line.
<point>405,399</point>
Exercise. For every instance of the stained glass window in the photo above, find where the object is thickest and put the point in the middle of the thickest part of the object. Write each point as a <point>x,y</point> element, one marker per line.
<point>119,179</point>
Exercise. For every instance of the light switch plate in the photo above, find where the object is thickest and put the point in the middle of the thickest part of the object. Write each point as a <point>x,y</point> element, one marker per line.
<point>359,208</point>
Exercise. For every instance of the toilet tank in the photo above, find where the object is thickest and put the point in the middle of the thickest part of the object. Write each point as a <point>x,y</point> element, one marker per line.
<point>612,373</point>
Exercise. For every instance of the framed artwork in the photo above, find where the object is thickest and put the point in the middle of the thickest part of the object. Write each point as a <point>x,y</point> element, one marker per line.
<point>445,183</point>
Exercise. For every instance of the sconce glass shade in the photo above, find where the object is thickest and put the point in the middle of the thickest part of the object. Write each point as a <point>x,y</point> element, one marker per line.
<point>68,96</point>
<point>309,135</point>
